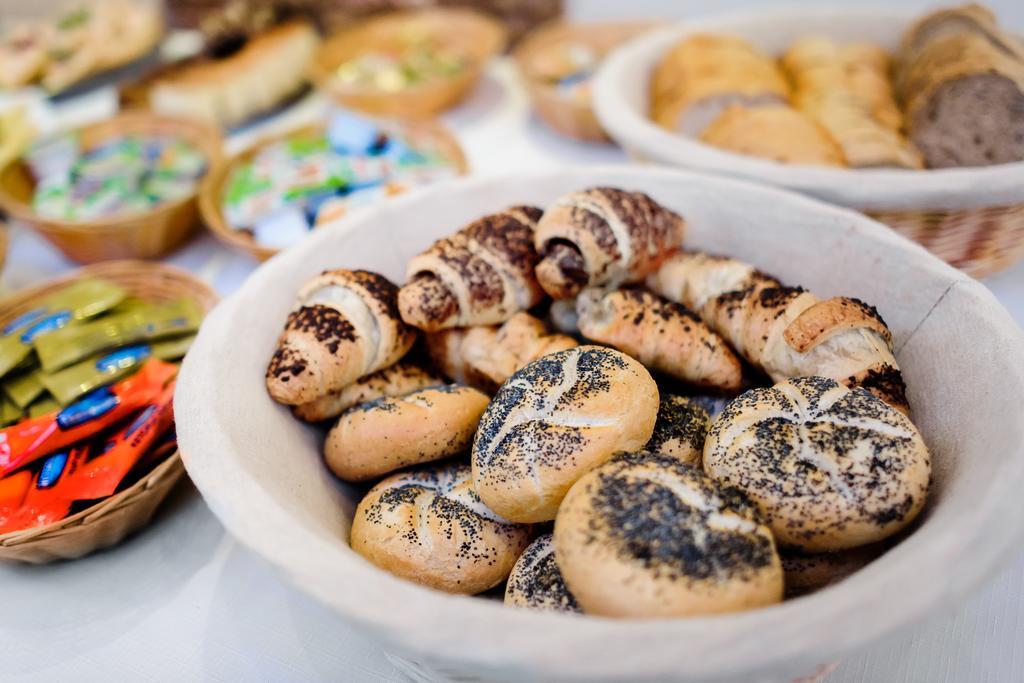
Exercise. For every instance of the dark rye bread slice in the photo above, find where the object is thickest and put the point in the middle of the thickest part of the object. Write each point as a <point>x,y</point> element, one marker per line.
<point>964,100</point>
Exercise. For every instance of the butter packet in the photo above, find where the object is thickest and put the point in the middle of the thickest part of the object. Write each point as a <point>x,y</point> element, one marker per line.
<point>9,412</point>
<point>24,388</point>
<point>46,404</point>
<point>60,349</point>
<point>78,301</point>
<point>74,381</point>
<point>173,349</point>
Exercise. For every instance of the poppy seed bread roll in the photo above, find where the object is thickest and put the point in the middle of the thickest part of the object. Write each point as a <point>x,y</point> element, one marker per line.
<point>553,421</point>
<point>391,432</point>
<point>344,325</point>
<point>681,429</point>
<point>536,581</point>
<point>648,536</point>
<point>830,468</point>
<point>429,526</point>
<point>396,380</point>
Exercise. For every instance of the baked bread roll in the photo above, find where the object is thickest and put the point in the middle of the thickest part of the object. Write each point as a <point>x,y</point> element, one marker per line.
<point>345,325</point>
<point>661,334</point>
<point>392,432</point>
<point>553,421</point>
<point>646,535</point>
<point>776,132</point>
<point>961,79</point>
<point>481,275</point>
<point>603,236</point>
<point>429,526</point>
<point>786,331</point>
<point>536,581</point>
<point>563,317</point>
<point>486,356</point>
<point>847,91</point>
<point>702,76</point>
<point>831,468</point>
<point>680,430</point>
<point>808,572</point>
<point>396,380</point>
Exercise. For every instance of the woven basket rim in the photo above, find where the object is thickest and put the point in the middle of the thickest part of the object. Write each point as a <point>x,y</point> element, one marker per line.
<point>115,271</point>
<point>207,138</point>
<point>211,189</point>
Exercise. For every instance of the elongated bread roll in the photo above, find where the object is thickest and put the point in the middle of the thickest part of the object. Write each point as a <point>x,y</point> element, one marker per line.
<point>648,536</point>
<point>481,275</point>
<point>786,331</point>
<point>396,380</point>
<point>554,420</point>
<point>603,236</point>
<point>376,438</point>
<point>429,526</point>
<point>345,325</point>
<point>486,356</point>
<point>776,132</point>
<point>661,334</point>
<point>830,468</point>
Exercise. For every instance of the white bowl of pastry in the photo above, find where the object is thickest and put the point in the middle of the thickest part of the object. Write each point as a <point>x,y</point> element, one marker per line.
<point>857,155</point>
<point>263,472</point>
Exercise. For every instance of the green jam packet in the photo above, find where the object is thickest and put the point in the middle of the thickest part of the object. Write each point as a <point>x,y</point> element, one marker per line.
<point>73,382</point>
<point>24,388</point>
<point>78,301</point>
<point>173,349</point>
<point>9,413</point>
<point>64,347</point>
<point>45,405</point>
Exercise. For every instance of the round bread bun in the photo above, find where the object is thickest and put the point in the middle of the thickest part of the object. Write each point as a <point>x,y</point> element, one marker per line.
<point>392,432</point>
<point>429,526</point>
<point>808,572</point>
<point>536,581</point>
<point>646,535</point>
<point>680,430</point>
<point>830,467</point>
<point>553,421</point>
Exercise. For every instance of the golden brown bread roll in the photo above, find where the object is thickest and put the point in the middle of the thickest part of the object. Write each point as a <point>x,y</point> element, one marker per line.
<point>536,581</point>
<point>705,74</point>
<point>646,535</point>
<point>345,325</point>
<point>486,356</point>
<point>680,430</point>
<point>786,331</point>
<point>429,526</point>
<point>554,420</point>
<point>830,468</point>
<point>481,275</point>
<point>661,334</point>
<point>603,236</point>
<point>375,438</point>
<point>776,132</point>
<point>400,378</point>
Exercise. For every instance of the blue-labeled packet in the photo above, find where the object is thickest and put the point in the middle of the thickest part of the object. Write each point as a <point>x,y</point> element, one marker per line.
<point>70,383</point>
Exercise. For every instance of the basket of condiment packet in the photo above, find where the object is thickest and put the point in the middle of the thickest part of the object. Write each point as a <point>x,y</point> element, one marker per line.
<point>87,373</point>
<point>411,64</point>
<point>557,62</point>
<point>122,188</point>
<point>273,194</point>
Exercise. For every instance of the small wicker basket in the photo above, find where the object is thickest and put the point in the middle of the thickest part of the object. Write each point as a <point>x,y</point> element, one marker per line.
<point>112,519</point>
<point>211,194</point>
<point>474,35</point>
<point>575,119</point>
<point>139,235</point>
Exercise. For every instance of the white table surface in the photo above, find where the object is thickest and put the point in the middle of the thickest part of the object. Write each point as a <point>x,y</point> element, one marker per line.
<point>183,601</point>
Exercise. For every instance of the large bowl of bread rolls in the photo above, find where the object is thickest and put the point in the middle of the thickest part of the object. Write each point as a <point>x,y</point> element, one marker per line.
<point>915,119</point>
<point>613,423</point>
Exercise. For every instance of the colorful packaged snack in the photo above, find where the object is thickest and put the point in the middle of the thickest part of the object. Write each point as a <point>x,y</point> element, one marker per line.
<point>172,349</point>
<point>9,412</point>
<point>42,406</point>
<point>13,489</point>
<point>101,476</point>
<point>24,388</point>
<point>76,380</point>
<point>32,439</point>
<point>62,348</point>
<point>78,301</point>
<point>48,498</point>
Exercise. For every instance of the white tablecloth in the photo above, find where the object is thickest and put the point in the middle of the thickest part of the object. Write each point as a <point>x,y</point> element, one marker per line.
<point>183,601</point>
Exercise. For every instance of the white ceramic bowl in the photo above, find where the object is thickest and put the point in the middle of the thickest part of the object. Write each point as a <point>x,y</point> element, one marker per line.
<point>621,99</point>
<point>261,472</point>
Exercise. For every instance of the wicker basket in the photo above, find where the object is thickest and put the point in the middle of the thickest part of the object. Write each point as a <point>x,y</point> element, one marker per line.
<point>140,235</point>
<point>477,36</point>
<point>112,519</point>
<point>211,194</point>
<point>569,117</point>
<point>5,239</point>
